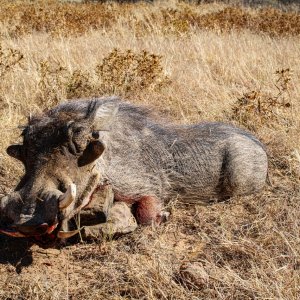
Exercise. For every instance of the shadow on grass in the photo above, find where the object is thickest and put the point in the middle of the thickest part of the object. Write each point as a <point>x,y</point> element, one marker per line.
<point>15,251</point>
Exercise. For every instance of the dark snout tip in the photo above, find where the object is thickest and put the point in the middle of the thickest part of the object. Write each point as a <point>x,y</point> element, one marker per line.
<point>33,230</point>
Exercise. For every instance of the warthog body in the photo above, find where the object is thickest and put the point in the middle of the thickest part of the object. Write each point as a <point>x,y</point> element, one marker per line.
<point>91,143</point>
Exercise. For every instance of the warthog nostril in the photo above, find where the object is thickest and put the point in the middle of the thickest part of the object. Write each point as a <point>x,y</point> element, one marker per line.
<point>31,230</point>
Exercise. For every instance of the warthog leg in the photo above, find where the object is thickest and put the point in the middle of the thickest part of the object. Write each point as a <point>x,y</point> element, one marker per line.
<point>146,209</point>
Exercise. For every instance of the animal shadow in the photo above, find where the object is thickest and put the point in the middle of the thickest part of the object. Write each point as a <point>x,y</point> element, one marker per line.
<point>15,251</point>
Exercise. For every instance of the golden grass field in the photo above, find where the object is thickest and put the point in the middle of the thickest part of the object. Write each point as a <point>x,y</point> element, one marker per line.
<point>191,62</point>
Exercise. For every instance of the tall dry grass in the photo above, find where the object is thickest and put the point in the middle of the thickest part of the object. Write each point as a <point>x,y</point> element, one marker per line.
<point>160,55</point>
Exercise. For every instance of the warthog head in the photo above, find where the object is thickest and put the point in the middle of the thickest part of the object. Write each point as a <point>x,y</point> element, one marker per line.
<point>59,153</point>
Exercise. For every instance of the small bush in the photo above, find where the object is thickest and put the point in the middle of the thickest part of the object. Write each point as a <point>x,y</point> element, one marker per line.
<point>257,108</point>
<point>125,72</point>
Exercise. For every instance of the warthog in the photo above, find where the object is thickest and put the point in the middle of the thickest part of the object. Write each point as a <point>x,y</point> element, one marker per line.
<point>80,146</point>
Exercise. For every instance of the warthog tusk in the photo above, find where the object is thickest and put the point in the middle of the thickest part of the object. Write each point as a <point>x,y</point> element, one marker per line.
<point>12,233</point>
<point>67,234</point>
<point>68,197</point>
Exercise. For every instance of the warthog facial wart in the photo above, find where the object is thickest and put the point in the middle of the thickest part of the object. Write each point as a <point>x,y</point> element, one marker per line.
<point>76,148</point>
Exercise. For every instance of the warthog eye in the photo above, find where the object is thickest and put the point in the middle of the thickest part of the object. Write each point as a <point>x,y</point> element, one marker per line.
<point>76,137</point>
<point>77,131</point>
<point>95,135</point>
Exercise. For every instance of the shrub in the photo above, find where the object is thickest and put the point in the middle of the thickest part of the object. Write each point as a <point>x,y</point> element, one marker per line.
<point>125,72</point>
<point>257,108</point>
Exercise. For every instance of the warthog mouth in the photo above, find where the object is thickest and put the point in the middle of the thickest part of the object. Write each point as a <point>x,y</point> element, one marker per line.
<point>47,237</point>
<point>44,234</point>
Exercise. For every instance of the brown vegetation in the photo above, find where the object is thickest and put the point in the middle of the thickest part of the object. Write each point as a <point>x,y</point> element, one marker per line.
<point>257,108</point>
<point>193,63</point>
<point>23,17</point>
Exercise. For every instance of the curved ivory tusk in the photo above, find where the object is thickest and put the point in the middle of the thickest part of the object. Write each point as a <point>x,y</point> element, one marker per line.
<point>67,234</point>
<point>12,233</point>
<point>68,197</point>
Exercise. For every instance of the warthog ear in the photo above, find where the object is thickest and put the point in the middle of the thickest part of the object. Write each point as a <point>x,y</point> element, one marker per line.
<point>15,151</point>
<point>93,151</point>
<point>103,116</point>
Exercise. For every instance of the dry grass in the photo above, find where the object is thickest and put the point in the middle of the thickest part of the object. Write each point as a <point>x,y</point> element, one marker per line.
<point>162,55</point>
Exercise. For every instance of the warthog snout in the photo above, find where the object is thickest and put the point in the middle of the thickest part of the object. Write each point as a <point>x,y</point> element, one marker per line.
<point>37,217</point>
